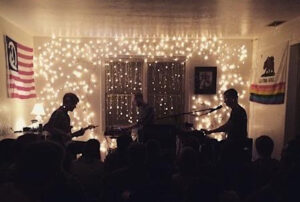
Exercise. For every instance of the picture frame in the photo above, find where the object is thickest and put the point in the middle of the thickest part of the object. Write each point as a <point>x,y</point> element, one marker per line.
<point>205,80</point>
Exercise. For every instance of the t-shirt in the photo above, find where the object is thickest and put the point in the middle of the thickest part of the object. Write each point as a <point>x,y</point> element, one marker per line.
<point>58,120</point>
<point>237,123</point>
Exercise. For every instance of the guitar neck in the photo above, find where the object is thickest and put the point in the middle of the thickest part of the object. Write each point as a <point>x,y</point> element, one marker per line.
<point>76,133</point>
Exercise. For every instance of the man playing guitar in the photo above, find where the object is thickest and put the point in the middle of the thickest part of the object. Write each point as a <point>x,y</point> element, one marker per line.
<point>59,125</point>
<point>145,117</point>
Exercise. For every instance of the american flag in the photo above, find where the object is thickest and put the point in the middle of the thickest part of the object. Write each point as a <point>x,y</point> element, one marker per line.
<point>20,75</point>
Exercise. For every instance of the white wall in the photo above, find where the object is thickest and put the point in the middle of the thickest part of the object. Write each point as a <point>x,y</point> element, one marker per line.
<point>270,119</point>
<point>58,87</point>
<point>14,113</point>
<point>97,98</point>
<point>244,71</point>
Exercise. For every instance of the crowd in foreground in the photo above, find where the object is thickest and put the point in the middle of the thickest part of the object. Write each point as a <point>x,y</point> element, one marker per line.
<point>36,170</point>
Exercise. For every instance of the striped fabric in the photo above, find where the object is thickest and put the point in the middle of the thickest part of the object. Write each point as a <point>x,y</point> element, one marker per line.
<point>270,74</point>
<point>268,94</point>
<point>20,75</point>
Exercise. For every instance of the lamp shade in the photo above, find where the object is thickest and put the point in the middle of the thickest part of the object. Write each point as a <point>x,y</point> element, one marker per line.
<point>38,109</point>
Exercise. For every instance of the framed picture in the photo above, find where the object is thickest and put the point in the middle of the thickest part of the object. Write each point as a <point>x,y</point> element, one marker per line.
<point>205,80</point>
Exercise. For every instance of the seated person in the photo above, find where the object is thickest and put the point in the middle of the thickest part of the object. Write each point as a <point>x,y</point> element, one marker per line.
<point>59,124</point>
<point>264,167</point>
<point>236,126</point>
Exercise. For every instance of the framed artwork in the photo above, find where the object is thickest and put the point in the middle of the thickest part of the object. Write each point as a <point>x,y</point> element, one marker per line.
<point>205,80</point>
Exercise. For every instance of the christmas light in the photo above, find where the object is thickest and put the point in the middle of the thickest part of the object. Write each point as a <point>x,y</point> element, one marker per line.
<point>70,61</point>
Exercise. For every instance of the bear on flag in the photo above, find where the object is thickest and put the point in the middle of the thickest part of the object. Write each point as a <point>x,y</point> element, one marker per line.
<point>269,77</point>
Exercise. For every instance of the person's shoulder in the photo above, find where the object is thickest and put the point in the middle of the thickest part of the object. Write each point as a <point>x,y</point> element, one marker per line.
<point>60,111</point>
<point>241,109</point>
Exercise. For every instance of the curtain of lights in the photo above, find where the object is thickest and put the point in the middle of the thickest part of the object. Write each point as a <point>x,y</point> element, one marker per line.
<point>166,89</point>
<point>74,65</point>
<point>122,80</point>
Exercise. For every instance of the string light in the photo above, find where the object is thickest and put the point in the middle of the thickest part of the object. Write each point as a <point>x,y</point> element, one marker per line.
<point>71,65</point>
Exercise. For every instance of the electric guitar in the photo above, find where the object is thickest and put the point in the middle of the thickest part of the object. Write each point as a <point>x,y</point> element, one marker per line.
<point>82,131</point>
<point>66,138</point>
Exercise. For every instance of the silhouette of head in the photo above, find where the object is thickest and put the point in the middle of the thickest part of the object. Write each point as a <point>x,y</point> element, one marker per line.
<point>39,164</point>
<point>70,101</point>
<point>290,157</point>
<point>7,151</point>
<point>23,141</point>
<point>123,142</point>
<point>136,155</point>
<point>264,146</point>
<point>230,97</point>
<point>91,149</point>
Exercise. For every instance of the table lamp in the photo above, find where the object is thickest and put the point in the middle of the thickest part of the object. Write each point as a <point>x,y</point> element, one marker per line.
<point>38,111</point>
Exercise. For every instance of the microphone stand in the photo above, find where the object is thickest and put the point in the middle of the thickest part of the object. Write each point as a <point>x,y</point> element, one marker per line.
<point>191,113</point>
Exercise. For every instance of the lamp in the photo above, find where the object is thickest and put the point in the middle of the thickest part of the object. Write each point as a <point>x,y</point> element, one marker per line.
<point>38,111</point>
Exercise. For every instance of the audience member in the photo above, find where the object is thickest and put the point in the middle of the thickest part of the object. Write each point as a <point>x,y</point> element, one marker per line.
<point>118,158</point>
<point>39,177</point>
<point>264,168</point>
<point>205,170</point>
<point>7,159</point>
<point>90,170</point>
<point>283,187</point>
<point>190,185</point>
<point>130,183</point>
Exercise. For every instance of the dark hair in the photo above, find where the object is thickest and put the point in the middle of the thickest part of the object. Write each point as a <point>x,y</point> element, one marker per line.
<point>264,146</point>
<point>231,93</point>
<point>39,163</point>
<point>123,142</point>
<point>91,149</point>
<point>136,154</point>
<point>70,98</point>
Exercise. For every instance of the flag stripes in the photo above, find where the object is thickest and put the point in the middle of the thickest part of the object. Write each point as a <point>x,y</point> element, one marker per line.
<point>20,77</point>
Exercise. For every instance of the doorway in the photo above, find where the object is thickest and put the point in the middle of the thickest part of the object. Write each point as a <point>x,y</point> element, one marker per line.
<point>292,122</point>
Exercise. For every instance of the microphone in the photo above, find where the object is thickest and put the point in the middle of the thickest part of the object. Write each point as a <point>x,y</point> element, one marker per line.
<point>216,108</point>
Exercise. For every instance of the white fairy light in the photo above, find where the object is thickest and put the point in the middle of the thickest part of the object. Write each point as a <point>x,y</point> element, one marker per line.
<point>73,55</point>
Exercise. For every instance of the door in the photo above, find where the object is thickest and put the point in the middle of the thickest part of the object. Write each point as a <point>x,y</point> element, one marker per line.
<point>292,124</point>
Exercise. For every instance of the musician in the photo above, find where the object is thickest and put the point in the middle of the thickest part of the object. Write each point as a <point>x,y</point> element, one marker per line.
<point>59,124</point>
<point>236,126</point>
<point>145,116</point>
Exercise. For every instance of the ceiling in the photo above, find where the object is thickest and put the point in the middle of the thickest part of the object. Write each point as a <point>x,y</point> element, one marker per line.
<point>97,18</point>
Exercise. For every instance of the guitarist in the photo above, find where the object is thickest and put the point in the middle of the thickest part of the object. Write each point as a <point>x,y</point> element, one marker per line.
<point>145,117</point>
<point>59,124</point>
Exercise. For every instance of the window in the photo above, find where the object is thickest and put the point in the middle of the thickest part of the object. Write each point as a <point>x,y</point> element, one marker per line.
<point>124,78</point>
<point>166,89</point>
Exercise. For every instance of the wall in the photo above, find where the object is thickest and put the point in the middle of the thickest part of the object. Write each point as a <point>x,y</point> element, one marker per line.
<point>242,87</point>
<point>270,119</point>
<point>41,44</point>
<point>14,113</point>
<point>62,77</point>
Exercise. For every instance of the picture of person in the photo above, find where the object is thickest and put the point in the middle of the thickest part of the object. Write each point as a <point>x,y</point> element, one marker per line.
<point>205,80</point>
